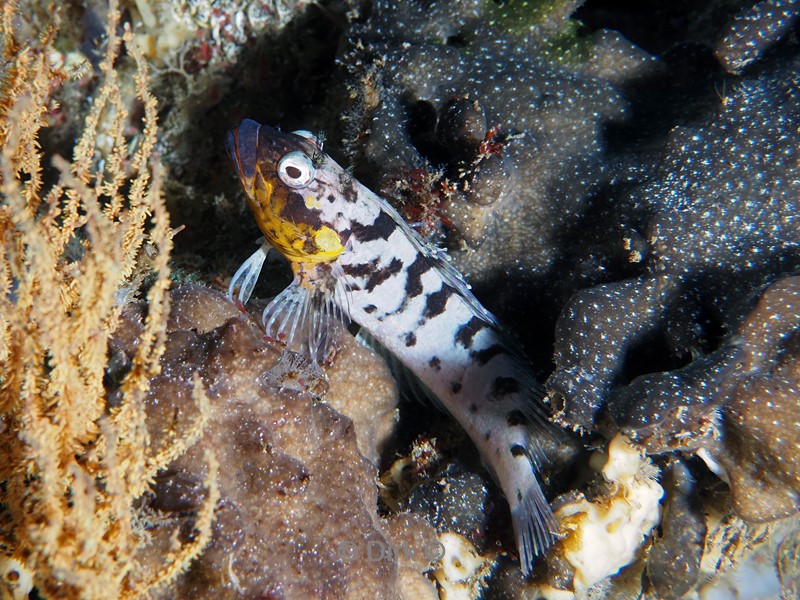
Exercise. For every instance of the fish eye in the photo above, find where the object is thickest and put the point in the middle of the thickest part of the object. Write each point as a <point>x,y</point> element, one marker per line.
<point>314,139</point>
<point>296,169</point>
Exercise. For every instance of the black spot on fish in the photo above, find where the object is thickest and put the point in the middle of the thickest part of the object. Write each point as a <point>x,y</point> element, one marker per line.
<point>331,198</point>
<point>502,387</point>
<point>381,229</point>
<point>517,450</point>
<point>516,417</point>
<point>436,302</point>
<point>473,408</point>
<point>360,269</point>
<point>349,190</point>
<point>384,273</point>
<point>414,274</point>
<point>435,363</point>
<point>296,211</point>
<point>484,356</point>
<point>411,339</point>
<point>466,332</point>
<point>456,387</point>
<point>370,308</point>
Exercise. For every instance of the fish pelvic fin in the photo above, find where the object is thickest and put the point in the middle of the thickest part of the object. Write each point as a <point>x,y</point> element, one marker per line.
<point>246,276</point>
<point>307,315</point>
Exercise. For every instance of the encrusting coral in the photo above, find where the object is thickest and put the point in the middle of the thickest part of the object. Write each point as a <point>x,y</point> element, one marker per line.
<point>74,243</point>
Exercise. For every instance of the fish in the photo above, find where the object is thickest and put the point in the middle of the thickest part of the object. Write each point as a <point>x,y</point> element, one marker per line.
<point>355,260</point>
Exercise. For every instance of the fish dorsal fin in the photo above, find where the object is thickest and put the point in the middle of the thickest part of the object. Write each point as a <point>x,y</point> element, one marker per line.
<point>437,255</point>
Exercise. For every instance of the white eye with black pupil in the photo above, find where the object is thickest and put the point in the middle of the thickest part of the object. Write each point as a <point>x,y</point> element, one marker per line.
<point>296,169</point>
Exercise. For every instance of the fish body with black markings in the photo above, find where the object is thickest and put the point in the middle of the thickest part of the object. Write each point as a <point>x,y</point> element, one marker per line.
<point>355,259</point>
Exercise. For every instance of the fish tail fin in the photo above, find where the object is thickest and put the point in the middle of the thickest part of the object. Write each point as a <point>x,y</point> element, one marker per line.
<point>535,525</point>
<point>307,314</point>
<point>533,521</point>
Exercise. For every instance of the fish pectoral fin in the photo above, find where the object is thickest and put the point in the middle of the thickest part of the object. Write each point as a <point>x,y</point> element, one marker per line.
<point>308,315</point>
<point>247,275</point>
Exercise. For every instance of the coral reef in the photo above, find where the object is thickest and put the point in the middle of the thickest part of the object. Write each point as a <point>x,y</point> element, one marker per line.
<point>651,202</point>
<point>297,509</point>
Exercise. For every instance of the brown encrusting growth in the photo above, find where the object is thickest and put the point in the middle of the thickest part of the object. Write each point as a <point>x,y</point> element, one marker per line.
<point>77,238</point>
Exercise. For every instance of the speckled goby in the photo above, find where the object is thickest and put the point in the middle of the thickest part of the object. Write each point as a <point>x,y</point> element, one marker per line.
<point>355,259</point>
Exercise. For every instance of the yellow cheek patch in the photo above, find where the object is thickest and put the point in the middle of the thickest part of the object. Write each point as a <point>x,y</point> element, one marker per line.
<point>328,241</point>
<point>299,242</point>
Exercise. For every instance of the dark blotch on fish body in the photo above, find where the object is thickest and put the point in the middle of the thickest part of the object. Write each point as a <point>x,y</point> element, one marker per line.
<point>381,229</point>
<point>516,417</point>
<point>502,387</point>
<point>414,274</point>
<point>484,356</point>
<point>467,332</point>
<point>436,302</point>
<point>517,450</point>
<point>384,273</point>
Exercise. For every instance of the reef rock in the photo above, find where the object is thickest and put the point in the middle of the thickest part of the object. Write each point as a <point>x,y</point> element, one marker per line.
<point>297,515</point>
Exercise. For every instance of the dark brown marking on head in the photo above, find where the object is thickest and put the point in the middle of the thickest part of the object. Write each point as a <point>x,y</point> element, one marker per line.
<point>502,387</point>
<point>435,363</point>
<point>519,496</point>
<point>517,450</point>
<point>487,435</point>
<point>466,332</point>
<point>436,302</point>
<point>411,339</point>
<point>473,408</point>
<point>296,211</point>
<point>455,386</point>
<point>414,274</point>
<point>370,308</point>
<point>516,417</point>
<point>484,356</point>
<point>380,229</point>
<point>384,273</point>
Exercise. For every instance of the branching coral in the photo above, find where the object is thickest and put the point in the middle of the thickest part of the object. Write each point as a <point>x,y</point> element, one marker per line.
<point>71,465</point>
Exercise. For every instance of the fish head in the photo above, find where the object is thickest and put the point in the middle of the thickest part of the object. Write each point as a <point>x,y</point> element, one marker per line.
<point>285,178</point>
